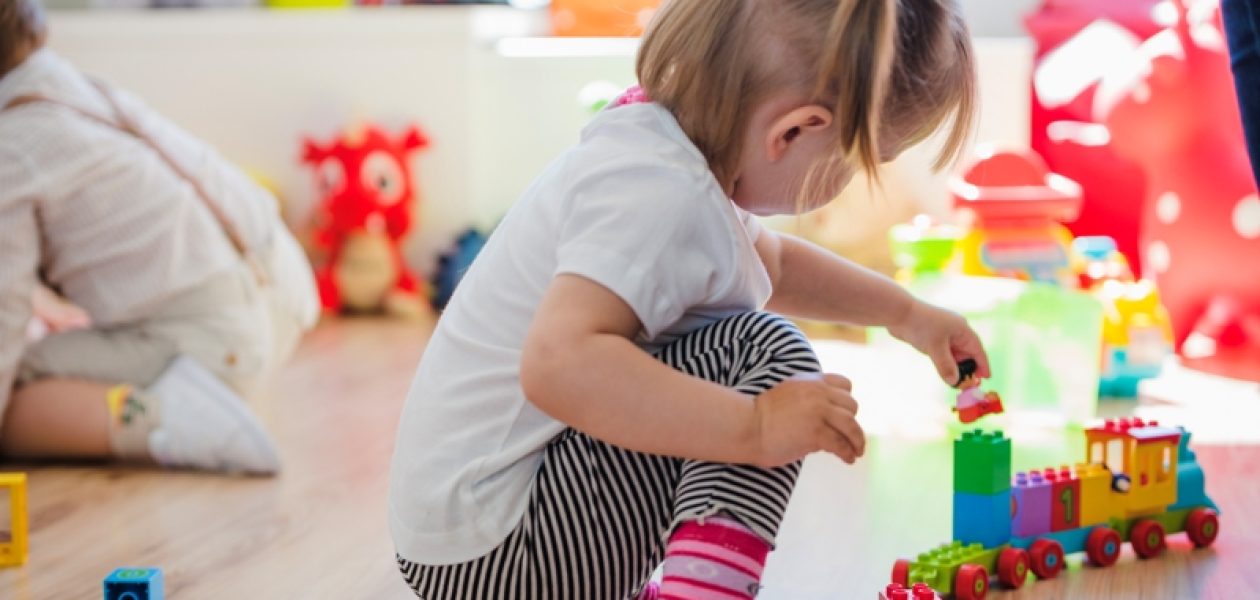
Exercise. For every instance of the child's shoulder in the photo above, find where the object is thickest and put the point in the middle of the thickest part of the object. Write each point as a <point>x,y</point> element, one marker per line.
<point>641,143</point>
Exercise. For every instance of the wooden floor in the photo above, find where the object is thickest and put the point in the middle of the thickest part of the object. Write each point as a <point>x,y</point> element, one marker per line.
<point>318,531</point>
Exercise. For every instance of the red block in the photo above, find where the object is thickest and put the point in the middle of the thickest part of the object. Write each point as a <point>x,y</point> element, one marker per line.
<point>1065,499</point>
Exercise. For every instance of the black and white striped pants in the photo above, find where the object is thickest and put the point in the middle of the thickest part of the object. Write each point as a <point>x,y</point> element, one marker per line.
<point>599,516</point>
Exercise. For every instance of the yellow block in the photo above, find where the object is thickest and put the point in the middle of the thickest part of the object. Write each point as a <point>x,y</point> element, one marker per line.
<point>1098,502</point>
<point>1154,487</point>
<point>13,553</point>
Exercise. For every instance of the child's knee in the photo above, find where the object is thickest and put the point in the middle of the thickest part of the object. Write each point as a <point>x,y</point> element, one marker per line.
<point>779,337</point>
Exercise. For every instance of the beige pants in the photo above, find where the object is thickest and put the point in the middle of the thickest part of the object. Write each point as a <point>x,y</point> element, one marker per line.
<point>230,324</point>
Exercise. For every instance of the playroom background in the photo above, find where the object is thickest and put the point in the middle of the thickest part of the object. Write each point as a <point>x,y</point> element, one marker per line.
<point>1103,235</point>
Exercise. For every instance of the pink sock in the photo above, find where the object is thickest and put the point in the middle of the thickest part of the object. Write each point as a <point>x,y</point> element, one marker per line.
<point>651,591</point>
<point>721,559</point>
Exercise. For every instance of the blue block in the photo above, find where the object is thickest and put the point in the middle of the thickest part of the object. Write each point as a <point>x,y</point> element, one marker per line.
<point>134,584</point>
<point>1191,487</point>
<point>1072,540</point>
<point>1031,495</point>
<point>982,518</point>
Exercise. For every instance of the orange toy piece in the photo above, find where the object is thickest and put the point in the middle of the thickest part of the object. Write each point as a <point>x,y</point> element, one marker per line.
<point>598,18</point>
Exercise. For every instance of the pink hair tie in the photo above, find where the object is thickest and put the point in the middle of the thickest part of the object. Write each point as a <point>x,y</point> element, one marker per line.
<point>633,95</point>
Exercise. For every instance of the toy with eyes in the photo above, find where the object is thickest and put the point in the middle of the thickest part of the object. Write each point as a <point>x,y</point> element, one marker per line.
<point>366,210</point>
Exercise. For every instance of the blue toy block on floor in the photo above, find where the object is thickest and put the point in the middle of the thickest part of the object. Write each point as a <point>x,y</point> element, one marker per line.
<point>982,518</point>
<point>134,584</point>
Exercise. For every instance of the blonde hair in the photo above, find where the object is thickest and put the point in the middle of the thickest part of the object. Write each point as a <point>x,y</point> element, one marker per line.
<point>713,62</point>
<point>21,25</point>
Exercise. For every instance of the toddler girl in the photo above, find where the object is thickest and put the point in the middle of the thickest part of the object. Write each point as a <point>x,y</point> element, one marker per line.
<point>602,393</point>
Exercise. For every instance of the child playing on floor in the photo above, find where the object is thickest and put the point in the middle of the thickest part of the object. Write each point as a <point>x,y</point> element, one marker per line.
<point>602,393</point>
<point>189,282</point>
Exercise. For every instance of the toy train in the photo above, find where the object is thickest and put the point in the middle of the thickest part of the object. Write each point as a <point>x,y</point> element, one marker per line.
<point>1140,483</point>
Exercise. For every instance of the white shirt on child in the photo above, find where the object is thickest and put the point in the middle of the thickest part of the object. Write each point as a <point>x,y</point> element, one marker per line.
<point>633,207</point>
<point>98,214</point>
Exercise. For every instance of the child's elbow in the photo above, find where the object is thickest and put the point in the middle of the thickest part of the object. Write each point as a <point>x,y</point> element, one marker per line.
<point>543,363</point>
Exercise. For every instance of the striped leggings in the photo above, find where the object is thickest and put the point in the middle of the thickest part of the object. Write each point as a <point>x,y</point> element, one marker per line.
<point>599,516</point>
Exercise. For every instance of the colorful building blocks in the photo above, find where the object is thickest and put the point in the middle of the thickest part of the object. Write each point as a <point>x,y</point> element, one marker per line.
<point>14,552</point>
<point>1140,484</point>
<point>982,463</point>
<point>134,584</point>
<point>1030,494</point>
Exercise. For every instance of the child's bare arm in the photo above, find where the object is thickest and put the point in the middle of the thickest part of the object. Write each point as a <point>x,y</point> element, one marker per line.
<point>581,367</point>
<point>812,283</point>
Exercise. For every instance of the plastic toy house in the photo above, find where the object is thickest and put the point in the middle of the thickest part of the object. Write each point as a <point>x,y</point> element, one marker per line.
<point>1018,208</point>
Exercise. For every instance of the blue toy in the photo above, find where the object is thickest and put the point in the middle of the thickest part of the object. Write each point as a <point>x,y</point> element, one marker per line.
<point>134,584</point>
<point>453,265</point>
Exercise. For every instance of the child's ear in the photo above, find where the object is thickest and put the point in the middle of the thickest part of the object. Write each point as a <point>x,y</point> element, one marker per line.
<point>788,128</point>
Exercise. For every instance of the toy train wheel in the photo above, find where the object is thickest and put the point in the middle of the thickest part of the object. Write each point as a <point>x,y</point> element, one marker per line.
<point>901,572</point>
<point>1047,558</point>
<point>1103,546</point>
<point>971,583</point>
<point>1147,538</point>
<point>1202,526</point>
<point>1012,567</point>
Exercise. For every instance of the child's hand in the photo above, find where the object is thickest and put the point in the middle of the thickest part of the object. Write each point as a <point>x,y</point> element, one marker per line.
<point>945,337</point>
<point>56,313</point>
<point>806,414</point>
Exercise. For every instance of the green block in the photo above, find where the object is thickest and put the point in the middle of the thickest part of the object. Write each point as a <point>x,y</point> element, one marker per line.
<point>982,463</point>
<point>938,566</point>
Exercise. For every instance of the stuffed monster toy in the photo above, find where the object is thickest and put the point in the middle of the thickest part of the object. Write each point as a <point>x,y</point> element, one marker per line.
<point>366,210</point>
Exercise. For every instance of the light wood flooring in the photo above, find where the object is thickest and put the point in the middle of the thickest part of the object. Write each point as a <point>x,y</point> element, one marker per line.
<point>319,530</point>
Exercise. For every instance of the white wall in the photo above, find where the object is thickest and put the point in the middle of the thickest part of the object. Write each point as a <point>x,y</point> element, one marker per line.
<point>999,18</point>
<point>253,83</point>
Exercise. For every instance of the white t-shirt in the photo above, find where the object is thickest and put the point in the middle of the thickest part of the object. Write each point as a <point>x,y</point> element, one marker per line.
<point>633,207</point>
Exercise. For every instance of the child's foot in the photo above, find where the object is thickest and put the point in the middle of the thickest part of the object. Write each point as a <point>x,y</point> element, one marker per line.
<point>206,426</point>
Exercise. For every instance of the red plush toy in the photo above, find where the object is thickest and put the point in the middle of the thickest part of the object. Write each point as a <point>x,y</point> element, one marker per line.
<point>1174,112</point>
<point>1076,43</point>
<point>368,199</point>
